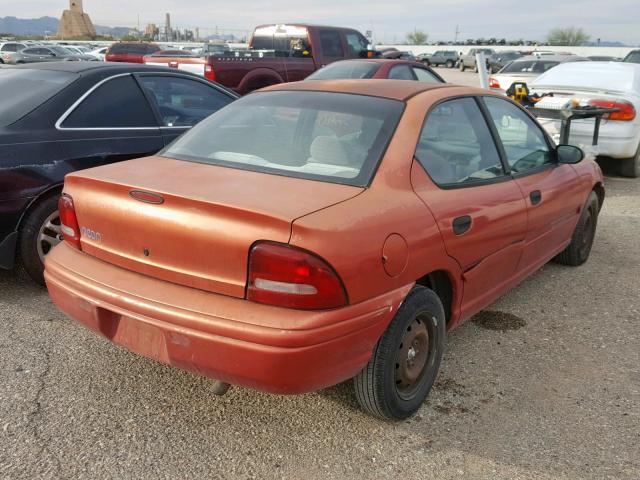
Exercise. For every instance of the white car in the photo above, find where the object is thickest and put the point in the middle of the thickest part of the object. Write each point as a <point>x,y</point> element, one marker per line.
<point>99,53</point>
<point>604,84</point>
<point>527,69</point>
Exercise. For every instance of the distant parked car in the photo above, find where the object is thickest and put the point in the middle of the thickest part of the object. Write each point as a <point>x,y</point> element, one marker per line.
<point>469,60</point>
<point>448,58</point>
<point>600,84</point>
<point>604,58</point>
<point>99,53</point>
<point>498,60</point>
<point>131,52</point>
<point>527,69</point>
<point>44,53</point>
<point>377,68</point>
<point>57,118</point>
<point>398,55</point>
<point>220,49</point>
<point>10,47</point>
<point>632,57</point>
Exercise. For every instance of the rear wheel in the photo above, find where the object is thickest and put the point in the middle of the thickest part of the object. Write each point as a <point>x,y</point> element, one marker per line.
<point>630,167</point>
<point>450,63</point>
<point>40,232</point>
<point>406,359</point>
<point>582,240</point>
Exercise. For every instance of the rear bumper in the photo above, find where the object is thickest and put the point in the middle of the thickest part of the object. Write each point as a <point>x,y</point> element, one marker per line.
<point>230,339</point>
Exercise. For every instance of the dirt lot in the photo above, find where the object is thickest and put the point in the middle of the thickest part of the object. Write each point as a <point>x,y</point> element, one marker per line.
<point>546,387</point>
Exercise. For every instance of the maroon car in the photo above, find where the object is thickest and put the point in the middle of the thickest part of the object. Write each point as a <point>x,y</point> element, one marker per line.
<point>131,52</point>
<point>377,68</point>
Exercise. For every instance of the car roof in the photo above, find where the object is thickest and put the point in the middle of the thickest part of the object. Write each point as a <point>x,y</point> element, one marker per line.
<point>80,67</point>
<point>547,58</point>
<point>393,89</point>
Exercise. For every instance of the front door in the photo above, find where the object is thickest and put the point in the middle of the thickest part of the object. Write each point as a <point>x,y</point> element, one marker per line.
<point>552,191</point>
<point>480,210</point>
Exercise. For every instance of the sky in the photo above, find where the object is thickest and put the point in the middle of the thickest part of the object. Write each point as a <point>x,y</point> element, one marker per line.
<point>614,20</point>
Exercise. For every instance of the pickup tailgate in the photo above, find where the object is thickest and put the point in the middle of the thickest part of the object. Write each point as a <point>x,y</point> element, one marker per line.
<point>188,64</point>
<point>201,233</point>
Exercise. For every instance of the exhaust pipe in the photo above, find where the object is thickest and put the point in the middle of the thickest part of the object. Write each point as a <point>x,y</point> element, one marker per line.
<point>219,388</point>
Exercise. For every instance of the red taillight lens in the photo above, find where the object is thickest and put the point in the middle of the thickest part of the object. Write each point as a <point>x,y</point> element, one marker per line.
<point>493,83</point>
<point>69,221</point>
<point>209,73</point>
<point>626,112</point>
<point>287,276</point>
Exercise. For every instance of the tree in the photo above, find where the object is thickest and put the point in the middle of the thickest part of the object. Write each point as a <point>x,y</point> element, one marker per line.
<point>567,37</point>
<point>417,37</point>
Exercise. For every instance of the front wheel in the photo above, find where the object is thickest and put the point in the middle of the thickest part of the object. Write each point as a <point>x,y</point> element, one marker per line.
<point>462,67</point>
<point>577,252</point>
<point>406,359</point>
<point>449,63</point>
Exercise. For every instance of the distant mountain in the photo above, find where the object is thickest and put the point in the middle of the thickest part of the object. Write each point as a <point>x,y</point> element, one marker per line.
<point>38,27</point>
<point>29,26</point>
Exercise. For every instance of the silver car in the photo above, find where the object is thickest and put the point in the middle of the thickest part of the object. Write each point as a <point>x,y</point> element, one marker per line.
<point>43,53</point>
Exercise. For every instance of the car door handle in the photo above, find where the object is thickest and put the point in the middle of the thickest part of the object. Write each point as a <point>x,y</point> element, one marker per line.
<point>536,197</point>
<point>462,224</point>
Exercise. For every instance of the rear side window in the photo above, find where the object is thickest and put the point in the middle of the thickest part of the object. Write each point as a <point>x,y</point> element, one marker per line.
<point>117,103</point>
<point>10,47</point>
<point>333,137</point>
<point>25,90</point>
<point>351,69</point>
<point>456,147</point>
<point>401,72</point>
<point>183,102</point>
<point>331,43</point>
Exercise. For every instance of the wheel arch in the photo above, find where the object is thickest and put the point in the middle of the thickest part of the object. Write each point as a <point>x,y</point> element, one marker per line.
<point>441,282</point>
<point>55,189</point>
<point>260,77</point>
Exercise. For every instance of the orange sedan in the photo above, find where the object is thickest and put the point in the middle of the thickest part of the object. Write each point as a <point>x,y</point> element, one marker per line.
<point>318,231</point>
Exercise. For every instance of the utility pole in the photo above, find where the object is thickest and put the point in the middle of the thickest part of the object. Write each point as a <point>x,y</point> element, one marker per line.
<point>455,40</point>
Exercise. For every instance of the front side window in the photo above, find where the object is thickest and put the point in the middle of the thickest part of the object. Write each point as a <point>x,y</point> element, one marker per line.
<point>357,45</point>
<point>183,102</point>
<point>331,43</point>
<point>117,103</point>
<point>456,147</point>
<point>523,141</point>
<point>332,137</point>
<point>424,75</point>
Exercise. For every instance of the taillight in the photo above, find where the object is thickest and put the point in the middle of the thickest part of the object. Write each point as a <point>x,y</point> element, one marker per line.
<point>209,73</point>
<point>289,277</point>
<point>69,221</point>
<point>493,83</point>
<point>626,112</point>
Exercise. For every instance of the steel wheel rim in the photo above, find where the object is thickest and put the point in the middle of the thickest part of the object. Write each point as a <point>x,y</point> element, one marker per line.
<point>414,355</point>
<point>49,235</point>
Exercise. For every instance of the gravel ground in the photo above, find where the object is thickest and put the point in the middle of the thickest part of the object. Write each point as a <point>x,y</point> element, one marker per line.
<point>548,387</point>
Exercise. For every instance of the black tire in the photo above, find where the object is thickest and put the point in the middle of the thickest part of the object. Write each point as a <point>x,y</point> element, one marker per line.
<point>427,63</point>
<point>630,167</point>
<point>450,63</point>
<point>475,67</point>
<point>462,67</point>
<point>577,252</point>
<point>380,387</point>
<point>28,236</point>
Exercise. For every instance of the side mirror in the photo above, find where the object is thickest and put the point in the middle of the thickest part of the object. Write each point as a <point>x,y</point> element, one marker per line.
<point>569,154</point>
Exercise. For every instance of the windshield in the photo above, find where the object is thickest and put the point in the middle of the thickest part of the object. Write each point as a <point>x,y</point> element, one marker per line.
<point>24,90</point>
<point>342,70</point>
<point>331,137</point>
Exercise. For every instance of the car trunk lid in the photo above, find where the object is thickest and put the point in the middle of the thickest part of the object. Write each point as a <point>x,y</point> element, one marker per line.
<point>190,223</point>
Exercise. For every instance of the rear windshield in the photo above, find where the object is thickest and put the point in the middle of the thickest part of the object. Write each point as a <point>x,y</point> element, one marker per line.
<point>24,90</point>
<point>331,137</point>
<point>133,48</point>
<point>529,66</point>
<point>342,70</point>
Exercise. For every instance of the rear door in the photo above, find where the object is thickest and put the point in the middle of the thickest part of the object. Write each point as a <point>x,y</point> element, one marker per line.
<point>552,191</point>
<point>112,121</point>
<point>480,210</point>
<point>180,102</point>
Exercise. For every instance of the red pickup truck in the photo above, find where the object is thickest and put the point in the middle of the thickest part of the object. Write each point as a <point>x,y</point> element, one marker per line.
<point>276,54</point>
